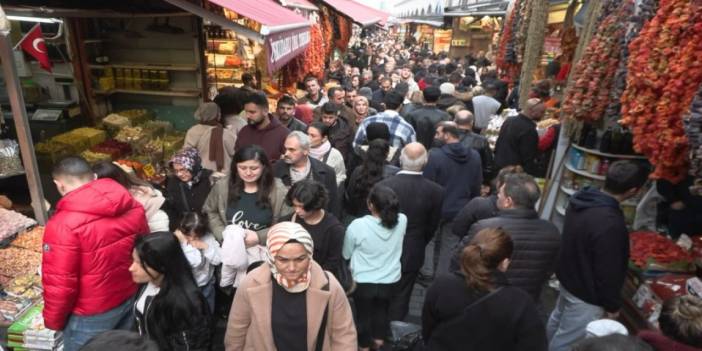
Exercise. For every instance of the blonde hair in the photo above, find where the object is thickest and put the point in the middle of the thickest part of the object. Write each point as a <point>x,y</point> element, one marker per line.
<point>417,97</point>
<point>681,320</point>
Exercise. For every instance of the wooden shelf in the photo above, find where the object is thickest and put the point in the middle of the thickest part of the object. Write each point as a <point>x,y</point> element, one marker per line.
<point>604,154</point>
<point>583,173</point>
<point>149,66</point>
<point>182,93</point>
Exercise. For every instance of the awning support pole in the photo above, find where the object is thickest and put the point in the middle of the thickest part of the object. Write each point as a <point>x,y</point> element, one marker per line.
<point>19,114</point>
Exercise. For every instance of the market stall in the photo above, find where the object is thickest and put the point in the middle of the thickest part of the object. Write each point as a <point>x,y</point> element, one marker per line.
<point>631,96</point>
<point>21,323</point>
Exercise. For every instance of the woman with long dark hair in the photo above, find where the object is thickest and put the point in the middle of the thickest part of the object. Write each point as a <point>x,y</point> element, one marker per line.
<point>141,190</point>
<point>250,197</point>
<point>373,243</point>
<point>479,299</point>
<point>170,308</point>
<point>374,168</point>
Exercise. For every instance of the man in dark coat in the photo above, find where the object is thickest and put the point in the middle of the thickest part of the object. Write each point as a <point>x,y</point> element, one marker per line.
<point>594,255</point>
<point>536,241</point>
<point>420,200</point>
<point>340,132</point>
<point>457,168</point>
<point>299,166</point>
<point>464,121</point>
<point>518,142</point>
<point>425,118</point>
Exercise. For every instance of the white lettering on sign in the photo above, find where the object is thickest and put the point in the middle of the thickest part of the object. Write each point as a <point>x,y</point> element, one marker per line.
<point>286,45</point>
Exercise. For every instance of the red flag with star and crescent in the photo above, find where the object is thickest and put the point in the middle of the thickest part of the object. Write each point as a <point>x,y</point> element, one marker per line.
<point>33,43</point>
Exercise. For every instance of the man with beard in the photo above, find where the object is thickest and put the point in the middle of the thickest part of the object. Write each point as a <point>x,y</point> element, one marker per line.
<point>262,129</point>
<point>286,114</point>
<point>298,166</point>
<point>351,94</point>
<point>340,131</point>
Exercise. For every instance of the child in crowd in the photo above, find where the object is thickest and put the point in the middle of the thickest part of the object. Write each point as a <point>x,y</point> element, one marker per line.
<point>202,251</point>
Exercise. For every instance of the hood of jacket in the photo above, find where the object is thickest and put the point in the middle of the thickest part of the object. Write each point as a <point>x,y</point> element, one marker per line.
<point>102,197</point>
<point>457,152</point>
<point>590,198</point>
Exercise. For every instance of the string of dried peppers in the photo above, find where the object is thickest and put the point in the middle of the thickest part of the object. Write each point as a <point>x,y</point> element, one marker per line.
<point>665,72</point>
<point>594,73</point>
<point>311,62</point>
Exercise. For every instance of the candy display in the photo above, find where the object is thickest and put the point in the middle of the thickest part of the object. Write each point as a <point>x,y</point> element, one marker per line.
<point>130,134</point>
<point>94,157</point>
<point>12,222</point>
<point>664,75</point>
<point>114,148</point>
<point>78,139</point>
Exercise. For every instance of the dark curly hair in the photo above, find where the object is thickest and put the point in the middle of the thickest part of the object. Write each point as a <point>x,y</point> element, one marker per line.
<point>312,194</point>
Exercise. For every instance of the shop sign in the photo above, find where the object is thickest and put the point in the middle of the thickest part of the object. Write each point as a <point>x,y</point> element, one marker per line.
<point>283,47</point>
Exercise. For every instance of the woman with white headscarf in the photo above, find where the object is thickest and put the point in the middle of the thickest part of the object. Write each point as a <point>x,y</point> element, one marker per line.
<point>290,303</point>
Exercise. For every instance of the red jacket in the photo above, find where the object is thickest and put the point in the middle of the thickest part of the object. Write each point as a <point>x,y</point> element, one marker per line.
<point>88,247</point>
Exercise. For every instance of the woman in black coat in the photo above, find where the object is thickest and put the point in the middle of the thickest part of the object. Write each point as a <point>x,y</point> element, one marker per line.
<point>475,309</point>
<point>188,187</point>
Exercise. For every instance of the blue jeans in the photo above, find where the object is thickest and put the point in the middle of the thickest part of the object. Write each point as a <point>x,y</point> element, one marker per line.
<point>569,321</point>
<point>208,291</point>
<point>80,329</point>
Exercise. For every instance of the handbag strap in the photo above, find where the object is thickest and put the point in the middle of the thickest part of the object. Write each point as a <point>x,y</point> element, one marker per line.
<point>323,326</point>
<point>474,303</point>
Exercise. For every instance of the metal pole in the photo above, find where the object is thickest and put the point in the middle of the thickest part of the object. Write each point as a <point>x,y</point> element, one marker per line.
<point>19,114</point>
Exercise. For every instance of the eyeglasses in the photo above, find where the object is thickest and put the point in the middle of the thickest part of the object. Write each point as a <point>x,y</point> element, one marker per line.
<point>179,171</point>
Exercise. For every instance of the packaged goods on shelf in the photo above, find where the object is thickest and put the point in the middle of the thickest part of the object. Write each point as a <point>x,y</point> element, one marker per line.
<point>10,162</point>
<point>29,332</point>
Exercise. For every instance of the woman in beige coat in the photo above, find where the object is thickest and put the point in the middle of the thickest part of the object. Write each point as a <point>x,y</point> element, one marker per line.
<point>214,143</point>
<point>284,304</point>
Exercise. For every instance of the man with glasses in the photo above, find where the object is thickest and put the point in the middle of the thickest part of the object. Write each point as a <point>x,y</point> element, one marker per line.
<point>518,141</point>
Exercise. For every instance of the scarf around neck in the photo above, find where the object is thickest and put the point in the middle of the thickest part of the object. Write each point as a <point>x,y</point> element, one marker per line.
<point>321,150</point>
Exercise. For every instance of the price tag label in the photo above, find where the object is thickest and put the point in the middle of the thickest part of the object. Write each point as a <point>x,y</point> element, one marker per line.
<point>149,170</point>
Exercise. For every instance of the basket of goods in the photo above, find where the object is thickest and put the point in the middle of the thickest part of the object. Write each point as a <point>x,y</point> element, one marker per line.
<point>114,122</point>
<point>114,148</point>
<point>137,116</point>
<point>652,252</point>
<point>95,157</point>
<point>134,136</point>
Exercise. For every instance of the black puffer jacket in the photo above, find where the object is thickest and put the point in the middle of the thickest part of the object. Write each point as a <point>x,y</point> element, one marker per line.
<point>536,245</point>
<point>480,144</point>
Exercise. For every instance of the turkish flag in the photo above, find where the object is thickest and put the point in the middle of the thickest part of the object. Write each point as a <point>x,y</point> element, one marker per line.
<point>33,43</point>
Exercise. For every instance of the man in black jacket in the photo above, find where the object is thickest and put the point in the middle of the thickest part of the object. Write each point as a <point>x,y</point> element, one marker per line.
<point>536,241</point>
<point>518,142</point>
<point>299,166</point>
<point>340,132</point>
<point>420,200</point>
<point>594,255</point>
<point>425,118</point>
<point>464,121</point>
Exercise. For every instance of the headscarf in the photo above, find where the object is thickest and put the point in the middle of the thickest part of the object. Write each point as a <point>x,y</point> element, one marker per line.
<point>209,114</point>
<point>279,235</point>
<point>190,159</point>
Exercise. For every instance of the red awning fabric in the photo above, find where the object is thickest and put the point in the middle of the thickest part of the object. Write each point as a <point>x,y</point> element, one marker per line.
<point>302,4</point>
<point>359,13</point>
<point>273,17</point>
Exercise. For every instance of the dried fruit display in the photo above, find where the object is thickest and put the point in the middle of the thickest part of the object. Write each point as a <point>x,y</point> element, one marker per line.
<point>649,248</point>
<point>664,74</point>
<point>508,59</point>
<point>309,62</point>
<point>31,239</point>
<point>589,96</point>
<point>16,261</point>
<point>693,129</point>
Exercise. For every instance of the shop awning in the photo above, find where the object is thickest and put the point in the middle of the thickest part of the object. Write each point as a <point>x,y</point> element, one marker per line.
<point>300,4</point>
<point>483,8</point>
<point>359,13</point>
<point>285,33</point>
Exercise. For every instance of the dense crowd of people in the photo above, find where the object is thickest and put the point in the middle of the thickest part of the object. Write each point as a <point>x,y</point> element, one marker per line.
<point>308,227</point>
